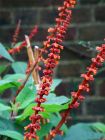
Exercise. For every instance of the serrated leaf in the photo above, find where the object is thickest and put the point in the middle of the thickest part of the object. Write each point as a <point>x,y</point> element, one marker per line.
<point>5,54</point>
<point>19,67</point>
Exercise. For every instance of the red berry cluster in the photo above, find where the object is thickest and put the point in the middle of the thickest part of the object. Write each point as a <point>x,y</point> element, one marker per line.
<point>53,42</point>
<point>89,76</point>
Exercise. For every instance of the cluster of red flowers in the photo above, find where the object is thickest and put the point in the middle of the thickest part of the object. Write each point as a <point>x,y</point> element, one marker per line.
<point>52,44</point>
<point>89,76</point>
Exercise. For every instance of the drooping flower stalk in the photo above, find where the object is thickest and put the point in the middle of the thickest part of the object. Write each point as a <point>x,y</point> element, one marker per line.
<point>53,45</point>
<point>77,96</point>
<point>16,33</point>
<point>23,44</point>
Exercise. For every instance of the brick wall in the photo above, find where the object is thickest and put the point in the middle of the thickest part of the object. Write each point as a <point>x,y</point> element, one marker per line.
<point>88,24</point>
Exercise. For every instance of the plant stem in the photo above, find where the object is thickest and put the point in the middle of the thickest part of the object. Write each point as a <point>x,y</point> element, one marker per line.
<point>31,60</point>
<point>25,81</point>
<point>36,54</point>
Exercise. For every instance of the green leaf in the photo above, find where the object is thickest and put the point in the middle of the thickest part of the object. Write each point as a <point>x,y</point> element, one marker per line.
<point>8,129</point>
<point>12,134</point>
<point>5,84</point>
<point>27,112</point>
<point>14,77</point>
<point>5,114</point>
<point>48,109</point>
<point>53,104</point>
<point>98,127</point>
<point>3,68</point>
<point>44,130</point>
<point>54,107</point>
<point>25,97</point>
<point>83,132</point>
<point>10,81</point>
<point>4,107</point>
<point>17,44</point>
<point>19,67</point>
<point>53,99</point>
<point>5,54</point>
<point>55,83</point>
<point>55,119</point>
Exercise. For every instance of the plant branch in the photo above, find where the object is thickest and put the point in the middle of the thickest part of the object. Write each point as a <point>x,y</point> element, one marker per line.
<point>31,60</point>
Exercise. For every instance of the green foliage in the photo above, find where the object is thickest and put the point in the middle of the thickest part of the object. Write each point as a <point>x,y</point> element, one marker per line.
<point>49,108</point>
<point>25,97</point>
<point>83,132</point>
<point>5,54</point>
<point>3,68</point>
<point>10,81</point>
<point>4,107</point>
<point>19,67</point>
<point>99,127</point>
<point>22,108</point>
<point>7,129</point>
<point>53,99</point>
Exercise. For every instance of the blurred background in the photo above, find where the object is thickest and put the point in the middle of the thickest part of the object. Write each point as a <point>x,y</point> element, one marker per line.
<point>84,34</point>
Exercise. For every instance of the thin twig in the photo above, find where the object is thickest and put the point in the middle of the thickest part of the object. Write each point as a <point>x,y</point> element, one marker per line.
<point>31,59</point>
<point>36,54</point>
<point>16,33</point>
